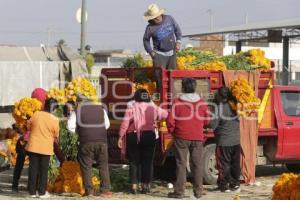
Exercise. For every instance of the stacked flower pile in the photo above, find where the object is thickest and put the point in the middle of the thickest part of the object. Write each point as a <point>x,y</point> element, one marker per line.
<point>78,87</point>
<point>287,187</point>
<point>215,65</point>
<point>70,180</point>
<point>24,109</point>
<point>190,59</point>
<point>257,57</point>
<point>242,91</point>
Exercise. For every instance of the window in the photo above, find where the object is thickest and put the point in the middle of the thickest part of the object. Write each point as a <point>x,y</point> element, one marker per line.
<point>291,102</point>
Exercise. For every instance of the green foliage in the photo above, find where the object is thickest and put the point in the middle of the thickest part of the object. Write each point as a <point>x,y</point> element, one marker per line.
<point>90,61</point>
<point>68,142</point>
<point>119,180</point>
<point>140,77</point>
<point>202,57</point>
<point>136,61</point>
<point>53,169</point>
<point>236,62</point>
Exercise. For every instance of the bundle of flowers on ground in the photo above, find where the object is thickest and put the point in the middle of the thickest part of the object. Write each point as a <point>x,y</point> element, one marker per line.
<point>70,180</point>
<point>24,109</point>
<point>287,187</point>
<point>246,100</point>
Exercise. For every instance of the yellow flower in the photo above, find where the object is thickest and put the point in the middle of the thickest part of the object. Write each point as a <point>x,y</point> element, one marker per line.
<point>70,179</point>
<point>24,109</point>
<point>245,95</point>
<point>213,66</point>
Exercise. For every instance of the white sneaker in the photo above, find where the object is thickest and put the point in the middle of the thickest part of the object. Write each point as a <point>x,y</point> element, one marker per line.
<point>45,196</point>
<point>33,196</point>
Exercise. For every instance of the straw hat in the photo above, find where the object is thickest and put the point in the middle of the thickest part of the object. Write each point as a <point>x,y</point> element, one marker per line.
<point>153,11</point>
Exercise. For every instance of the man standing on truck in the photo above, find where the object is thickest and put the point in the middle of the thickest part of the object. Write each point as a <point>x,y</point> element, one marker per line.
<point>226,127</point>
<point>166,36</point>
<point>188,116</point>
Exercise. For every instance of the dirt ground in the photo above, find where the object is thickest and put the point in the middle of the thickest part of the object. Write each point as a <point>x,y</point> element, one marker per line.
<point>266,175</point>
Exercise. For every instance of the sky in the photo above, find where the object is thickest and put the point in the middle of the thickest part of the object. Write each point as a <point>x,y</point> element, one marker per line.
<point>119,24</point>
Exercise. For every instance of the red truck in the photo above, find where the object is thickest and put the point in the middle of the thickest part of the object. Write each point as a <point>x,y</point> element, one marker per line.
<point>279,121</point>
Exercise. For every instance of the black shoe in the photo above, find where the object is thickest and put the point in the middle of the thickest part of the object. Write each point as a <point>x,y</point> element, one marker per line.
<point>235,188</point>
<point>175,195</point>
<point>14,189</point>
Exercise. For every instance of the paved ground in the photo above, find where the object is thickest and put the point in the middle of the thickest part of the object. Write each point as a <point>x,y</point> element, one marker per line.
<point>267,175</point>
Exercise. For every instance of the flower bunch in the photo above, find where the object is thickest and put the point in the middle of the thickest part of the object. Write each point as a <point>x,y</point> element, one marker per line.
<point>12,142</point>
<point>257,57</point>
<point>287,187</point>
<point>58,94</point>
<point>242,91</point>
<point>24,109</point>
<point>80,87</point>
<point>70,180</point>
<point>184,62</point>
<point>149,86</point>
<point>215,65</point>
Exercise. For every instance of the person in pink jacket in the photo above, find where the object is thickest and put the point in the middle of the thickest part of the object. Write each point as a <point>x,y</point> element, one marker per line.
<point>138,127</point>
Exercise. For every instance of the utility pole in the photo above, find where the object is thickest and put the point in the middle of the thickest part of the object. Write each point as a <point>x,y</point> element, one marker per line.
<point>211,19</point>
<point>83,21</point>
<point>49,37</point>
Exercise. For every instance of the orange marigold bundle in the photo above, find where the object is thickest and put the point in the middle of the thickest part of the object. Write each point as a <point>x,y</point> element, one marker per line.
<point>70,180</point>
<point>247,102</point>
<point>287,187</point>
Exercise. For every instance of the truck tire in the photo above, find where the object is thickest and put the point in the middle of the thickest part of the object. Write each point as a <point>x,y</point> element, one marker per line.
<point>293,167</point>
<point>210,173</point>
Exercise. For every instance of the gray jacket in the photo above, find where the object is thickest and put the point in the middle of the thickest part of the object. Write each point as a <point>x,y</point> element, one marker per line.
<point>163,35</point>
<point>226,126</point>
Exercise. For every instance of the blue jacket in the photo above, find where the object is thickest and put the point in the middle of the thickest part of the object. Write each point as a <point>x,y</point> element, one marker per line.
<point>164,35</point>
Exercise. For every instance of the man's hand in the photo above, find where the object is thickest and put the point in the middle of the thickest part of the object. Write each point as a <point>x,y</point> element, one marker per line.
<point>152,54</point>
<point>178,45</point>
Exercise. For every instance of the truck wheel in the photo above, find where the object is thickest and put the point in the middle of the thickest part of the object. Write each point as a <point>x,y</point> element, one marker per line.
<point>293,167</point>
<point>210,175</point>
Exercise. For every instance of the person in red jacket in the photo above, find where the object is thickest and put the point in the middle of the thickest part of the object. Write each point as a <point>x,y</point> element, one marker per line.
<point>186,120</point>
